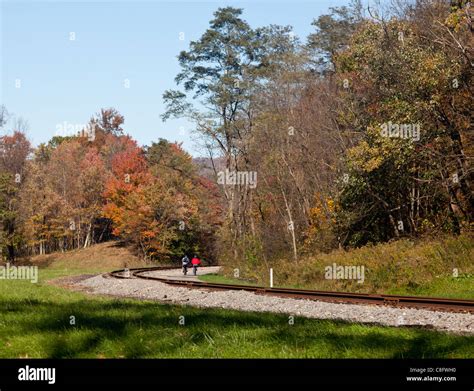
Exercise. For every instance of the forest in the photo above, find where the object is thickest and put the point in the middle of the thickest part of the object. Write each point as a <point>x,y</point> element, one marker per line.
<point>360,133</point>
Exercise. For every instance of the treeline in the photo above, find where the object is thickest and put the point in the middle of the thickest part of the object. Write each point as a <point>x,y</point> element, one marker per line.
<point>97,185</point>
<point>359,134</point>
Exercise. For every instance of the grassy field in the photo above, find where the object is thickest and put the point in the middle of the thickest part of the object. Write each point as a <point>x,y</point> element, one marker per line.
<point>35,322</point>
<point>223,279</point>
<point>443,267</point>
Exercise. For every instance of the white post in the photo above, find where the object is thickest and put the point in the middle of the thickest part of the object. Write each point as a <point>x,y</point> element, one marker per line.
<point>271,277</point>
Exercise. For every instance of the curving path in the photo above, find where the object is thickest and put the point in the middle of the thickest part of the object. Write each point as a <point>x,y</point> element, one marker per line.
<point>177,274</point>
<point>249,301</point>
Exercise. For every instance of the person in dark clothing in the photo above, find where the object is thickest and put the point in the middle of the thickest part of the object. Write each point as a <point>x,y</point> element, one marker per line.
<point>185,262</point>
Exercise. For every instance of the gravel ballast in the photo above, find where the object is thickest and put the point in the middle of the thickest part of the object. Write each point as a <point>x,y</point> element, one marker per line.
<point>247,301</point>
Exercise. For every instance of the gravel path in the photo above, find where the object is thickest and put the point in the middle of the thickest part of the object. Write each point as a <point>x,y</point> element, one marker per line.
<point>248,301</point>
<point>177,274</point>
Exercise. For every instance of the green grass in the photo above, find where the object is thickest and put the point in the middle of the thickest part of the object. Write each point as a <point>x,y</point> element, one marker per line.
<point>35,322</point>
<point>221,279</point>
<point>461,287</point>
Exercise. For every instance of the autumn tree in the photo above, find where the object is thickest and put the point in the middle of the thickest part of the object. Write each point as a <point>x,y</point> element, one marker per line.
<point>400,75</point>
<point>14,151</point>
<point>105,124</point>
<point>159,203</point>
<point>333,34</point>
<point>129,175</point>
<point>92,180</point>
<point>225,69</point>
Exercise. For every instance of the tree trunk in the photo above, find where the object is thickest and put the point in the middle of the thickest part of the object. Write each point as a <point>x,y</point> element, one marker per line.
<point>88,237</point>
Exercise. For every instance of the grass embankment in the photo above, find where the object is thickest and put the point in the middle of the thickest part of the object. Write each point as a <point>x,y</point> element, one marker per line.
<point>105,256</point>
<point>426,268</point>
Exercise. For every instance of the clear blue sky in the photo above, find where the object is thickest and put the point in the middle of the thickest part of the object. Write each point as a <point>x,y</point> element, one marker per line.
<point>65,80</point>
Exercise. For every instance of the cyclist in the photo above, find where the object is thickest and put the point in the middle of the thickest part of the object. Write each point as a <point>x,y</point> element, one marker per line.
<point>185,262</point>
<point>195,262</point>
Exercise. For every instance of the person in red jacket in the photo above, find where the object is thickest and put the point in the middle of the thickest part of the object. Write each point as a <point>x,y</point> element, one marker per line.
<point>195,262</point>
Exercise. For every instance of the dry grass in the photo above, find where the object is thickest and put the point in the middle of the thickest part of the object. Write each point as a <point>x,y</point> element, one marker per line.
<point>401,265</point>
<point>103,256</point>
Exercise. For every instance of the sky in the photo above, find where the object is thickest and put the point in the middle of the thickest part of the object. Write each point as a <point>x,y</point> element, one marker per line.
<point>62,61</point>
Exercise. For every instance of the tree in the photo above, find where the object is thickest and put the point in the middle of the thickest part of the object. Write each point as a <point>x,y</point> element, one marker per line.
<point>3,115</point>
<point>106,123</point>
<point>14,151</point>
<point>333,33</point>
<point>92,179</point>
<point>224,69</point>
<point>129,176</point>
<point>156,200</point>
<point>398,75</point>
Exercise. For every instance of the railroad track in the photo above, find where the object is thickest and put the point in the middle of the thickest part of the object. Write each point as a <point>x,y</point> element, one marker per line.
<point>430,303</point>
